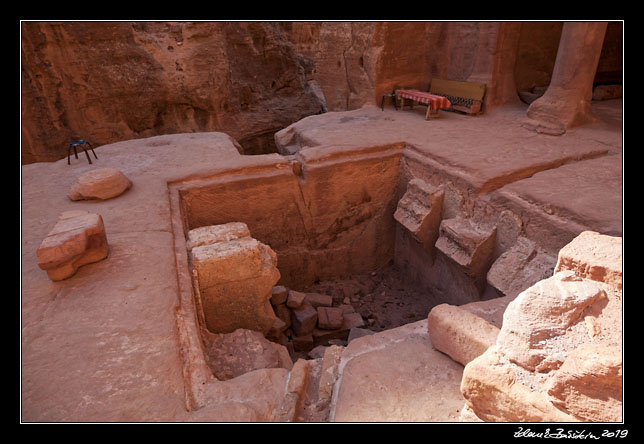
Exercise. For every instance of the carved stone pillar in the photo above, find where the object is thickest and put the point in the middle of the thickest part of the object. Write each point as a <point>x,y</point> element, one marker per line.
<point>566,102</point>
<point>494,64</point>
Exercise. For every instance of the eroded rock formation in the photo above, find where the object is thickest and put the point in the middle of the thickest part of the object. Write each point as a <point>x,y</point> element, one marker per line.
<point>558,355</point>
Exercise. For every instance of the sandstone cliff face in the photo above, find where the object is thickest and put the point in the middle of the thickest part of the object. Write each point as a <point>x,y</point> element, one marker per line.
<point>111,81</point>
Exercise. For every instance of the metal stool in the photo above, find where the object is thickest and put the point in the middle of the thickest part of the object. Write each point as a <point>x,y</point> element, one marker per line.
<point>82,143</point>
<point>393,99</point>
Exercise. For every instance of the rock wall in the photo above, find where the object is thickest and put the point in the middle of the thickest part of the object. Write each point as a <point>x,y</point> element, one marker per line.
<point>112,81</point>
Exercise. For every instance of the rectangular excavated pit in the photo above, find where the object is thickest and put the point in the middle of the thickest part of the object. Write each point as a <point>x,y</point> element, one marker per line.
<point>350,222</point>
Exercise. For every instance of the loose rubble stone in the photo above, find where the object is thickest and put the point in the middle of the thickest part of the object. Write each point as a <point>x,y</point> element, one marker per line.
<point>330,318</point>
<point>233,354</point>
<point>102,184</point>
<point>295,299</point>
<point>319,300</point>
<point>77,239</point>
<point>279,295</point>
<point>303,319</point>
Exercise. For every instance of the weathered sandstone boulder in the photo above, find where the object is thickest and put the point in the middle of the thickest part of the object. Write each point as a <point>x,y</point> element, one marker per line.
<point>78,238</point>
<point>593,256</point>
<point>101,184</point>
<point>558,354</point>
<point>235,277</point>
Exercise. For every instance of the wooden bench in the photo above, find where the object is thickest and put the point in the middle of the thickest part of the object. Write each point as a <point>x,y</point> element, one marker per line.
<point>466,97</point>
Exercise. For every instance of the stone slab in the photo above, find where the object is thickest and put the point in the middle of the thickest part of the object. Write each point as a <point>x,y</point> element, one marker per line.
<point>395,376</point>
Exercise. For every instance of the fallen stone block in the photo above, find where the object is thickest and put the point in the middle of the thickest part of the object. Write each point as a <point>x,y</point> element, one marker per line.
<point>279,293</point>
<point>520,267</point>
<point>593,256</point>
<point>467,244</point>
<point>235,278</point>
<point>303,319</point>
<point>349,321</point>
<point>295,299</point>
<point>330,318</point>
<point>319,300</point>
<point>419,211</point>
<point>101,184</point>
<point>284,313</point>
<point>77,239</point>
<point>461,335</point>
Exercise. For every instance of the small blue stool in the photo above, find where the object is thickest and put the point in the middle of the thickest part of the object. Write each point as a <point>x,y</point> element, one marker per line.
<point>82,144</point>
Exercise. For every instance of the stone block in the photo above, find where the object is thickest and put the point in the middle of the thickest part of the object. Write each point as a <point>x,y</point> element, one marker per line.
<point>330,318</point>
<point>78,238</point>
<point>295,299</point>
<point>279,294</point>
<point>100,184</point>
<point>303,319</point>
<point>284,313</point>
<point>593,256</point>
<point>467,244</point>
<point>235,277</point>
<point>461,335</point>
<point>419,211</point>
<point>520,267</point>
<point>319,300</point>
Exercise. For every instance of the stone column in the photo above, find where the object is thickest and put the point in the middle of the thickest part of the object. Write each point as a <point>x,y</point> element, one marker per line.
<point>494,64</point>
<point>566,102</point>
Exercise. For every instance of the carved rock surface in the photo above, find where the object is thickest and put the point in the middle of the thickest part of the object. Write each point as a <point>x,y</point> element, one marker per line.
<point>78,238</point>
<point>466,244</point>
<point>522,266</point>
<point>101,184</point>
<point>419,211</point>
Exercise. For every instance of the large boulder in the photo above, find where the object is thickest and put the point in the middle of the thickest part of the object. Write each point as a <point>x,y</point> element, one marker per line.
<point>100,184</point>
<point>558,354</point>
